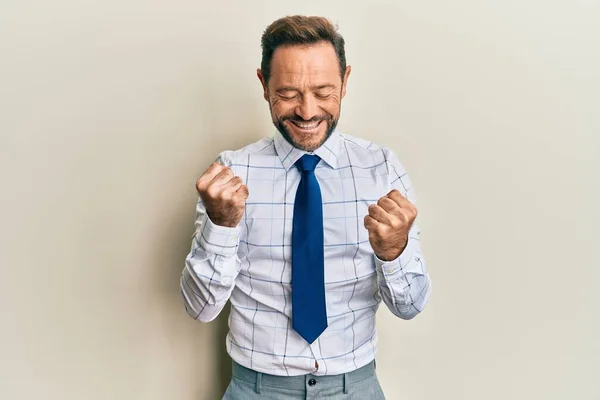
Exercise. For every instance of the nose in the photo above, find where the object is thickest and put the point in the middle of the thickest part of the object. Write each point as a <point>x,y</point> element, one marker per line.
<point>307,108</point>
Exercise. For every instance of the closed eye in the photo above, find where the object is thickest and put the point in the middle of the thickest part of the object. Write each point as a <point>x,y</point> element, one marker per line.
<point>322,95</point>
<point>288,93</point>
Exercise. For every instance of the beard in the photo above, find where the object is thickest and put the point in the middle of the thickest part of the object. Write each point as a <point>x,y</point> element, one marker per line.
<point>279,123</point>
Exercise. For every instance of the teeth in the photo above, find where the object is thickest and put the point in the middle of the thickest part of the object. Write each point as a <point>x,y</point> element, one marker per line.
<point>307,126</point>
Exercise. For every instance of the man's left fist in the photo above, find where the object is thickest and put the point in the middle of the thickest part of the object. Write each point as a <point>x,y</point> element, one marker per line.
<point>388,224</point>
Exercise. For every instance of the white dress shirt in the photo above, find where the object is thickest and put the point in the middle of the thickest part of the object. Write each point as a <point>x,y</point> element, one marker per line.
<point>251,263</point>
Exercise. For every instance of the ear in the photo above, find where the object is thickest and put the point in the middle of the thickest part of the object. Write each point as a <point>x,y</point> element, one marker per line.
<point>346,76</point>
<point>261,78</point>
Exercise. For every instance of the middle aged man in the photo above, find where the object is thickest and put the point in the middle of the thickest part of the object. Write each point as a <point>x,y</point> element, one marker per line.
<point>306,232</point>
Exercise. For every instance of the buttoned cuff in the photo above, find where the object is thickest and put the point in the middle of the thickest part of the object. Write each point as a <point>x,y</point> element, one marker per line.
<point>220,240</point>
<point>394,268</point>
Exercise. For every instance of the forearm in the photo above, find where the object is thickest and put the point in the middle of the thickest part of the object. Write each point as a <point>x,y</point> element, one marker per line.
<point>404,283</point>
<point>210,271</point>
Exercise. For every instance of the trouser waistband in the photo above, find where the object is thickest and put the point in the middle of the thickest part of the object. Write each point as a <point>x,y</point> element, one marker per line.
<point>301,382</point>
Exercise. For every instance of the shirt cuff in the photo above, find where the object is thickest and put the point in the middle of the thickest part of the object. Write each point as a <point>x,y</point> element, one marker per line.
<point>220,240</point>
<point>394,268</point>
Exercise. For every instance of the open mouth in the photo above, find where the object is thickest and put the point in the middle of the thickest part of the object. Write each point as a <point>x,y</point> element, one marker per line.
<point>307,126</point>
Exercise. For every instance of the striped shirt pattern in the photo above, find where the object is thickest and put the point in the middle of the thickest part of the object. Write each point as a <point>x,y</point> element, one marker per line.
<point>251,263</point>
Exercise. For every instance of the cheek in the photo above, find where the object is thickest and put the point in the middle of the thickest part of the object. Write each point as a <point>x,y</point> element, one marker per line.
<point>279,108</point>
<point>332,107</point>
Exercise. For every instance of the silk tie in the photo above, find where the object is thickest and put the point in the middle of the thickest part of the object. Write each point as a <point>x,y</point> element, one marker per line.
<point>309,314</point>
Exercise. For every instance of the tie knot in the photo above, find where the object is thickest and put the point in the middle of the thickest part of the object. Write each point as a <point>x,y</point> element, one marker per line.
<point>307,163</point>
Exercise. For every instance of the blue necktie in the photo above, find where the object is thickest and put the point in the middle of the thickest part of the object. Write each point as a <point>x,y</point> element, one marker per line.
<point>309,314</point>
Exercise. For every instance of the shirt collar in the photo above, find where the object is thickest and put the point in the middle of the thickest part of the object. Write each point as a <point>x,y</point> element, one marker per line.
<point>289,154</point>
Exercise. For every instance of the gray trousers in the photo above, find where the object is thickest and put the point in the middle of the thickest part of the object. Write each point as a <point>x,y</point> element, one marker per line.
<point>247,384</point>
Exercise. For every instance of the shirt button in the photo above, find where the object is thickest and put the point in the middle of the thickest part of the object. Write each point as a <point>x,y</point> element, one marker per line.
<point>312,382</point>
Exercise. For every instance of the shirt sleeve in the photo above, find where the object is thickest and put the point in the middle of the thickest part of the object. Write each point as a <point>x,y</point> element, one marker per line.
<point>212,265</point>
<point>404,283</point>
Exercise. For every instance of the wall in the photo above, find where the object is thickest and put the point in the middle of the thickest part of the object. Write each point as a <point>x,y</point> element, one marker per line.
<point>111,110</point>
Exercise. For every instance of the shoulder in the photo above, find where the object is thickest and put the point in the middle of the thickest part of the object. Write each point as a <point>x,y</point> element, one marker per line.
<point>263,146</point>
<point>366,148</point>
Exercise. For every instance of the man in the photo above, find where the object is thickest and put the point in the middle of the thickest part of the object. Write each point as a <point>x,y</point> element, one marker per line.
<point>306,233</point>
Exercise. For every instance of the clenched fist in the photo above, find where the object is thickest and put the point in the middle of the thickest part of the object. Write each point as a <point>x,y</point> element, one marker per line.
<point>224,195</point>
<point>388,224</point>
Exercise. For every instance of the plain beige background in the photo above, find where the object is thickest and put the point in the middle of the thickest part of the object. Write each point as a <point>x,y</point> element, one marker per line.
<point>110,110</point>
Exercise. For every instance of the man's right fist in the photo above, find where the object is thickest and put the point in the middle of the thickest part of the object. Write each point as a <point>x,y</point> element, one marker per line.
<point>224,195</point>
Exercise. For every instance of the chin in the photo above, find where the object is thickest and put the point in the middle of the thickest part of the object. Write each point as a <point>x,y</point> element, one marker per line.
<point>308,141</point>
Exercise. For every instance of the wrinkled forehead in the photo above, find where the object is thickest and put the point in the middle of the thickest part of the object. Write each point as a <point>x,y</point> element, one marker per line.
<point>314,64</point>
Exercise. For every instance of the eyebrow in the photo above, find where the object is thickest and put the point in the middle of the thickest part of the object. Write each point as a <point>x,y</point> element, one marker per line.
<point>294,89</point>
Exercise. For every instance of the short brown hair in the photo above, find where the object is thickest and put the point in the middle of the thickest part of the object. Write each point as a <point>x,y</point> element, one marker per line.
<point>300,30</point>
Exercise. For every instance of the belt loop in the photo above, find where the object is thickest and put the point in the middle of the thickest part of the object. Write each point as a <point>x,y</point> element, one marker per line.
<point>258,382</point>
<point>345,383</point>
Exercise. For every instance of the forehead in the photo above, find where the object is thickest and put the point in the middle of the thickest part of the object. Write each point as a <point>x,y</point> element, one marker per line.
<point>296,64</point>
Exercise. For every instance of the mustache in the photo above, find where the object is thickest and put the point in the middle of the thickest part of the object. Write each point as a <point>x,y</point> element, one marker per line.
<point>297,118</point>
